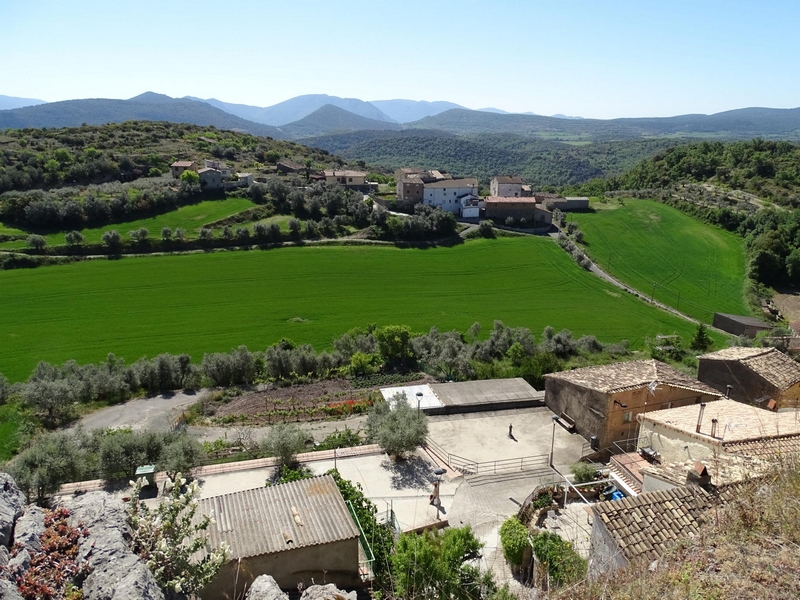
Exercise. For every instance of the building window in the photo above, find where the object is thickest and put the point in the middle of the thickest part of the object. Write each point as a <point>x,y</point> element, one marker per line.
<point>627,416</point>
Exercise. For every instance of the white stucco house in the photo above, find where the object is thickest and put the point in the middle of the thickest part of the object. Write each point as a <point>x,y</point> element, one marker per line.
<point>448,194</point>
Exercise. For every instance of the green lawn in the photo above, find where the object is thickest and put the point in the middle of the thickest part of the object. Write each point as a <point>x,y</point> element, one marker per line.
<point>191,217</point>
<point>696,267</point>
<point>213,302</point>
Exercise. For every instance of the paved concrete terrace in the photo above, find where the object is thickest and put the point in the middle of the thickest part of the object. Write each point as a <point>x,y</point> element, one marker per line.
<point>483,437</point>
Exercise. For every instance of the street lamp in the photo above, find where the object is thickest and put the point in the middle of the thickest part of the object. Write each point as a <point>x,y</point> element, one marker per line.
<point>553,439</point>
<point>621,404</point>
<point>419,399</point>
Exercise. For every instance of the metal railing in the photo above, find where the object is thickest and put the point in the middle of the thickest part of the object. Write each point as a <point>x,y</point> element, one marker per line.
<point>364,564</point>
<point>472,467</point>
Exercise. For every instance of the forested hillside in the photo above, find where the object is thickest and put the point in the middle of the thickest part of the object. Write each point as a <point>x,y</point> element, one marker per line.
<point>539,162</point>
<point>33,158</point>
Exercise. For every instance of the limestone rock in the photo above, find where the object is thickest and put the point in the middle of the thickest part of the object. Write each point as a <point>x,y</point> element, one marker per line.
<point>326,592</point>
<point>12,501</point>
<point>8,591</point>
<point>21,562</point>
<point>3,556</point>
<point>117,573</point>
<point>29,528</point>
<point>265,588</point>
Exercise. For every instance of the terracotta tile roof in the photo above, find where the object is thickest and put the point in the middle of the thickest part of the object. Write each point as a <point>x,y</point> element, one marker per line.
<point>453,183</point>
<point>412,180</point>
<point>509,199</point>
<point>508,180</point>
<point>207,170</point>
<point>736,421</point>
<point>281,517</point>
<point>647,525</point>
<point>631,375</point>
<point>776,448</point>
<point>182,163</point>
<point>770,363</point>
<point>344,174</point>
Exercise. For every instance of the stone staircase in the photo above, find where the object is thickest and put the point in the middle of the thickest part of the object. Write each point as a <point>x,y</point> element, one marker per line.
<point>622,465</point>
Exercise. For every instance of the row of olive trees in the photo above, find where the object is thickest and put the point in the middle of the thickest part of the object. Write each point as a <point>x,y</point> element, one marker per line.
<point>51,460</point>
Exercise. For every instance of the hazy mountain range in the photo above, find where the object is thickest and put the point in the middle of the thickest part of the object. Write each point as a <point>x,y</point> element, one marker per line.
<point>321,115</point>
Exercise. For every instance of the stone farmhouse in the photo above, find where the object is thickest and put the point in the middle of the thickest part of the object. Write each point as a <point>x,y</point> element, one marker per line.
<point>299,533</point>
<point>602,403</point>
<point>705,431</point>
<point>764,377</point>
<point>210,179</point>
<point>507,187</point>
<point>179,166</point>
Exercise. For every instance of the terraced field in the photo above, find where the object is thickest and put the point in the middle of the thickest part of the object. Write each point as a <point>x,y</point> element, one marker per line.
<point>212,302</point>
<point>692,266</point>
<point>191,217</point>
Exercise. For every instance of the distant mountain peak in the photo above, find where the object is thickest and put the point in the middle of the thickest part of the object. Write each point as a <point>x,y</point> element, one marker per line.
<point>152,98</point>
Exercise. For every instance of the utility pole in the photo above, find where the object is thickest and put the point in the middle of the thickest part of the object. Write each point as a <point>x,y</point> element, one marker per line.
<point>653,295</point>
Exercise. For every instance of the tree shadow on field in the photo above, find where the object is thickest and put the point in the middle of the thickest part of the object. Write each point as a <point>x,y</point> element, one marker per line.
<point>412,473</point>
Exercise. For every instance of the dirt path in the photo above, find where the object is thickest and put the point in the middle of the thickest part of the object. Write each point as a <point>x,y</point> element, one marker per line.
<point>139,414</point>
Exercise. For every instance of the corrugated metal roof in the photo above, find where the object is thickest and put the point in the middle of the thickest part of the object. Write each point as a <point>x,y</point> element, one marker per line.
<point>282,517</point>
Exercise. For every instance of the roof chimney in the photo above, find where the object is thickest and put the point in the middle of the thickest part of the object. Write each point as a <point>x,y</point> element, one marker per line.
<point>713,428</point>
<point>700,416</point>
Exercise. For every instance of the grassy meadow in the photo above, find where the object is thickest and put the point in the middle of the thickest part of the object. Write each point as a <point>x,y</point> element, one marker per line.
<point>191,217</point>
<point>212,302</point>
<point>697,268</point>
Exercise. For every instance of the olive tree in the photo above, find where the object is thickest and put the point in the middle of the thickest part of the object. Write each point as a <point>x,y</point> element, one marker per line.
<point>284,440</point>
<point>74,238</point>
<point>37,242</point>
<point>111,239</point>
<point>397,427</point>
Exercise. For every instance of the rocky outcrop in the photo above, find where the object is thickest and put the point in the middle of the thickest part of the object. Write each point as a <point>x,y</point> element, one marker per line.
<point>117,573</point>
<point>9,591</point>
<point>29,529</point>
<point>12,502</point>
<point>265,588</point>
<point>326,592</point>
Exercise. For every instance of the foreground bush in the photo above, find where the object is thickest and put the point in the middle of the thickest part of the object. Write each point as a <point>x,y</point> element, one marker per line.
<point>397,427</point>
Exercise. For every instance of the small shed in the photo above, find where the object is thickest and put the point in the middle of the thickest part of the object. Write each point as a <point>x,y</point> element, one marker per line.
<point>740,324</point>
<point>299,532</point>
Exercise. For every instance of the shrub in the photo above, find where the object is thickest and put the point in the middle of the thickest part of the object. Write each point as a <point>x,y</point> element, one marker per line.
<point>563,564</point>
<point>111,239</point>
<point>284,441</point>
<point>167,537</point>
<point>166,233</point>
<point>206,233</point>
<point>5,389</point>
<point>180,233</point>
<point>583,472</point>
<point>74,238</point>
<point>514,539</point>
<point>345,438</point>
<point>37,242</point>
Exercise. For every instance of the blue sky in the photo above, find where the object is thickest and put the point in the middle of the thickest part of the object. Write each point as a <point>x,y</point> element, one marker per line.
<point>592,58</point>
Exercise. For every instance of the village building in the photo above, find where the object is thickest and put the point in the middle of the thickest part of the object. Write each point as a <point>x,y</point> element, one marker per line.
<point>448,194</point>
<point>765,377</point>
<point>244,179</point>
<point>640,529</point>
<point>427,176</point>
<point>300,533</point>
<point>410,190</point>
<point>602,403</point>
<point>555,201</point>
<point>739,324</point>
<point>287,167</point>
<point>354,180</point>
<point>220,166</point>
<point>723,470</point>
<point>706,431</point>
<point>179,166</point>
<point>500,208</point>
<point>210,179</point>
<point>506,187</point>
